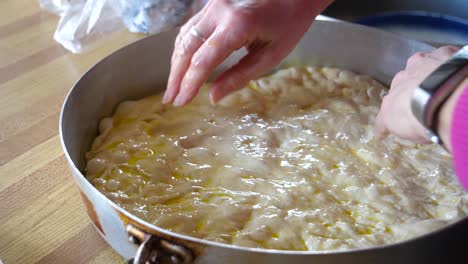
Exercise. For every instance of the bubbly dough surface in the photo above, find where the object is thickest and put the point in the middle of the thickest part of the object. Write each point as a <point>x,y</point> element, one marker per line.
<point>287,163</point>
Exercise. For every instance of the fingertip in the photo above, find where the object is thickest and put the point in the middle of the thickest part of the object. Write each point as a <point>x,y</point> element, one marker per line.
<point>215,94</point>
<point>213,101</point>
<point>380,130</point>
<point>165,99</point>
<point>169,94</point>
<point>225,85</point>
<point>212,97</point>
<point>381,135</point>
<point>186,94</point>
<point>172,88</point>
<point>179,101</point>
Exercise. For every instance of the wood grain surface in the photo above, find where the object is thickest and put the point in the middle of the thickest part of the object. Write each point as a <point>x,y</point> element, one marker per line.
<point>42,219</point>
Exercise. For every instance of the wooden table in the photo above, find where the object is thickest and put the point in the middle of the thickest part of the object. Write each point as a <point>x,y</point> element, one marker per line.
<point>42,219</point>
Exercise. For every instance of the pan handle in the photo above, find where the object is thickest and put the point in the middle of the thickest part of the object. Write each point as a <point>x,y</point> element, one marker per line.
<point>156,250</point>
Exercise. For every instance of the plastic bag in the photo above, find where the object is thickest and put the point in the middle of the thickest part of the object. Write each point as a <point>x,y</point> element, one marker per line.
<point>84,22</point>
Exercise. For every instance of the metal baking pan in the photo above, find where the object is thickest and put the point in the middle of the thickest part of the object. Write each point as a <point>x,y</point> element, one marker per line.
<point>142,68</point>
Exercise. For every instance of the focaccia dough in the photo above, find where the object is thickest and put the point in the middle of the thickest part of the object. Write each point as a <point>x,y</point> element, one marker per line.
<point>288,163</point>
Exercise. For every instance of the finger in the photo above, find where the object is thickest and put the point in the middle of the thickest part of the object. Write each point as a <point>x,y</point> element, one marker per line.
<point>171,83</point>
<point>186,45</point>
<point>381,130</point>
<point>444,52</point>
<point>415,59</point>
<point>400,77</point>
<point>215,50</point>
<point>254,64</point>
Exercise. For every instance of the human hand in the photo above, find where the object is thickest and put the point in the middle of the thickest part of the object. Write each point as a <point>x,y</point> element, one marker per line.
<point>395,115</point>
<point>269,29</point>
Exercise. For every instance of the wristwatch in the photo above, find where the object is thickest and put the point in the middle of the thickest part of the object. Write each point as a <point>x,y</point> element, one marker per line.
<point>436,89</point>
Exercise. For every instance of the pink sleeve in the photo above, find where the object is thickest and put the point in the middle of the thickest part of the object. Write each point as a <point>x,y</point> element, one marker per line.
<point>459,138</point>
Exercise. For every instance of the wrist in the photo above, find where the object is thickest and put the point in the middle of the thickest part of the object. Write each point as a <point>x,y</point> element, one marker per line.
<point>433,93</point>
<point>444,118</point>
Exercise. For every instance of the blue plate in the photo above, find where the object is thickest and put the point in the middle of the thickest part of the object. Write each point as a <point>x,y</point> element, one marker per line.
<point>432,28</point>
